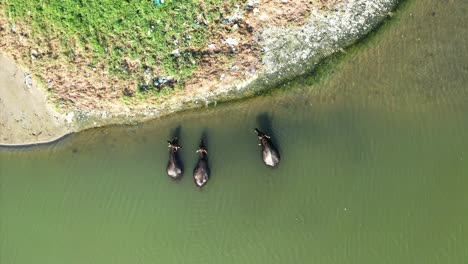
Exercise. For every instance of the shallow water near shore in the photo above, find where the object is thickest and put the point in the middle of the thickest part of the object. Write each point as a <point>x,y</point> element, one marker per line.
<point>374,169</point>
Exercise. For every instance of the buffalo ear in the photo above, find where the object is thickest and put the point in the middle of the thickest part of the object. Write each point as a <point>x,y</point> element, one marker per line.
<point>267,136</point>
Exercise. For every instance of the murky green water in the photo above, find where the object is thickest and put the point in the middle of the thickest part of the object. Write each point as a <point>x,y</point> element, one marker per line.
<point>374,169</point>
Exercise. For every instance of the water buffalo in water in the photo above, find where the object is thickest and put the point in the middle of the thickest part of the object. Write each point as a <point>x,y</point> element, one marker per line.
<point>174,166</point>
<point>270,154</point>
<point>201,173</point>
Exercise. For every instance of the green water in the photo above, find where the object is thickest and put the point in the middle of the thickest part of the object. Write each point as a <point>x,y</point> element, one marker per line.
<point>374,169</point>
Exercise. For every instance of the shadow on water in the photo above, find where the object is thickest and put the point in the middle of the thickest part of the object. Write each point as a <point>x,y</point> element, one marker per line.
<point>175,133</point>
<point>264,123</point>
<point>204,139</point>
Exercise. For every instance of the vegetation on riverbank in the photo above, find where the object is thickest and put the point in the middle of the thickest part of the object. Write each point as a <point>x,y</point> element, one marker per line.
<point>146,46</point>
<point>123,62</point>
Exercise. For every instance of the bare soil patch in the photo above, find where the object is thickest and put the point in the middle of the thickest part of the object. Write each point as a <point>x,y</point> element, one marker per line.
<point>25,115</point>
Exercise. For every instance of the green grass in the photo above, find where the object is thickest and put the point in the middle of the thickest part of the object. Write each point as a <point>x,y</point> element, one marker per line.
<point>109,32</point>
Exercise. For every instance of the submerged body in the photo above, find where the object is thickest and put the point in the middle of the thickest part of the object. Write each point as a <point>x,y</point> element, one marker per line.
<point>270,154</point>
<point>174,166</point>
<point>201,172</point>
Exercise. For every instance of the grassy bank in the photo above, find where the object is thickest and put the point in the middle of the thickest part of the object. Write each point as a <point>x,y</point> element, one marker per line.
<point>149,44</point>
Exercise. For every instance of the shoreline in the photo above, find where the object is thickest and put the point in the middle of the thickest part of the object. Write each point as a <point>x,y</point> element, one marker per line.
<point>36,144</point>
<point>285,58</point>
<point>27,117</point>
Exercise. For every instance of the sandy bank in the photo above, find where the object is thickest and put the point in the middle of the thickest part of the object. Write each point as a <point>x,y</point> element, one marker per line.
<point>25,115</point>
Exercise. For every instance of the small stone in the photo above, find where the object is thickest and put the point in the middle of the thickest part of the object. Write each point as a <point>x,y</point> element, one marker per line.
<point>231,41</point>
<point>36,133</point>
<point>70,117</point>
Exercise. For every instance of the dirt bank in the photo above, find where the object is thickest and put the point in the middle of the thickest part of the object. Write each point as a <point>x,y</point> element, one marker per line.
<point>261,44</point>
<point>25,115</point>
